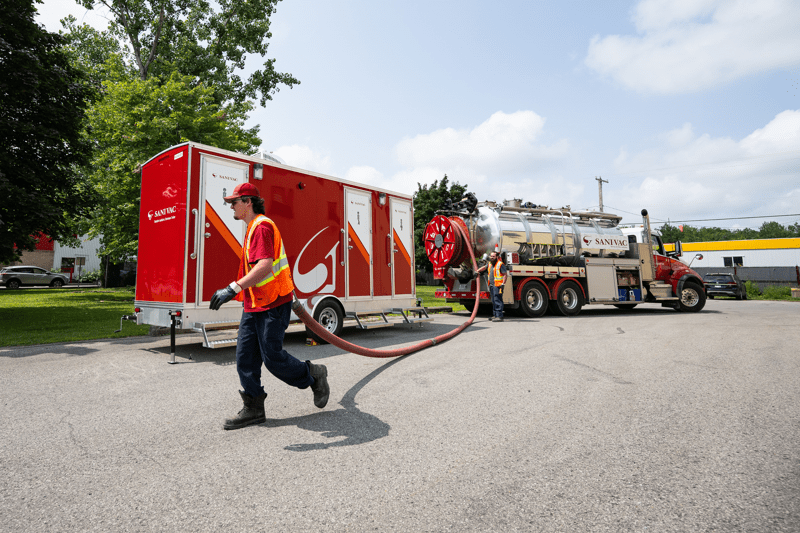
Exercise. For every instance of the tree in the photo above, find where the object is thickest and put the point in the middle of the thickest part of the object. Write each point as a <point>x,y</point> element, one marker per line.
<point>169,74</point>
<point>428,200</point>
<point>43,99</point>
<point>195,39</point>
<point>134,117</point>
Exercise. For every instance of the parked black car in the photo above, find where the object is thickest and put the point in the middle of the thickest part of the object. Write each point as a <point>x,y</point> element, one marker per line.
<point>16,276</point>
<point>725,285</point>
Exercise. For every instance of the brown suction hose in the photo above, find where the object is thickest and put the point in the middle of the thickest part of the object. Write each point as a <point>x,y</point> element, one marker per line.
<point>329,337</point>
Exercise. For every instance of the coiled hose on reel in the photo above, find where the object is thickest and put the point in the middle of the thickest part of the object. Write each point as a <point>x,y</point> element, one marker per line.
<point>329,337</point>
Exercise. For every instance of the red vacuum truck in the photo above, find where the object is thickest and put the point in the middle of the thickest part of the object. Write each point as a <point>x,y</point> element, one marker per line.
<point>350,246</point>
<point>557,259</point>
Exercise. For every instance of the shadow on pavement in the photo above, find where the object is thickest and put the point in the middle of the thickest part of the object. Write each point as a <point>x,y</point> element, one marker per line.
<point>356,426</point>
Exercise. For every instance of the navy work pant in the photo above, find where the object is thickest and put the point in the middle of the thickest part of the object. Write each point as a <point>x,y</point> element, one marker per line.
<point>261,341</point>
<point>497,300</point>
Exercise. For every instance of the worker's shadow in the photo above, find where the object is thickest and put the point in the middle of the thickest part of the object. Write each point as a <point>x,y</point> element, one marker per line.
<point>356,426</point>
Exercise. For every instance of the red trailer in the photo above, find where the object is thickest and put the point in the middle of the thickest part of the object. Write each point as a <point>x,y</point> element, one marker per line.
<point>350,246</point>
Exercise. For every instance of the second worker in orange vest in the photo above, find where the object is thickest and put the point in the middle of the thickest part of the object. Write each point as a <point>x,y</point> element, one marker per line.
<point>265,285</point>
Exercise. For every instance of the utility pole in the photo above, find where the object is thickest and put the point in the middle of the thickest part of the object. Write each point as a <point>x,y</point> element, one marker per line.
<point>600,182</point>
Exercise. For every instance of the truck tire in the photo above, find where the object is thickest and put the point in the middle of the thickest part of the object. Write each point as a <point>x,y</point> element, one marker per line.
<point>483,309</point>
<point>533,299</point>
<point>692,297</point>
<point>569,299</point>
<point>330,315</point>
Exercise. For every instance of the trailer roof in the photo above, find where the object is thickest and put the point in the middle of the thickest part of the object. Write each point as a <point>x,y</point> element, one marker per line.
<point>269,162</point>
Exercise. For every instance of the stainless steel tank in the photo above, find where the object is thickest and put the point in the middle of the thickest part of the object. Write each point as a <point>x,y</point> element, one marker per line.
<point>507,227</point>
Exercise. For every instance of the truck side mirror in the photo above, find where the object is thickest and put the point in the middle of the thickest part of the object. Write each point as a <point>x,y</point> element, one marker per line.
<point>678,250</point>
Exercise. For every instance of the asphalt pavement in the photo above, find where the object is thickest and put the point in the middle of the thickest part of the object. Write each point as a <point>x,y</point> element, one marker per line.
<point>616,420</point>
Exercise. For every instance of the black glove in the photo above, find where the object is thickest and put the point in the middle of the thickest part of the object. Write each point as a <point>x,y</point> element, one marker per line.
<point>222,296</point>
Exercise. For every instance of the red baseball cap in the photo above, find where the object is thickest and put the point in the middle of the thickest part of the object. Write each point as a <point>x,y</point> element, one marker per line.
<point>243,189</point>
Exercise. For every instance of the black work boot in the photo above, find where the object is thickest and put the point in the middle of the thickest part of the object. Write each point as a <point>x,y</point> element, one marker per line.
<point>251,413</point>
<point>320,386</point>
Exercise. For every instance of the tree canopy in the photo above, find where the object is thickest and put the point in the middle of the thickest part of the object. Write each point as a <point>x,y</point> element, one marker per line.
<point>428,200</point>
<point>209,41</point>
<point>43,99</point>
<point>170,72</point>
<point>768,230</point>
<point>133,118</point>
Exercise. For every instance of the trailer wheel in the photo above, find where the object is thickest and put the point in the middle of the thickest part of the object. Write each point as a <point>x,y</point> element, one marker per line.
<point>569,299</point>
<point>692,297</point>
<point>533,299</point>
<point>330,316</point>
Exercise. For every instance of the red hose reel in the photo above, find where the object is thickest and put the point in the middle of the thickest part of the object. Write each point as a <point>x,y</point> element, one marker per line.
<point>444,244</point>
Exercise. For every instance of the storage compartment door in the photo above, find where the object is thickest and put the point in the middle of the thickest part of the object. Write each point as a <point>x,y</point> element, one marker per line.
<point>358,252</point>
<point>221,237</point>
<point>402,247</point>
<point>602,281</point>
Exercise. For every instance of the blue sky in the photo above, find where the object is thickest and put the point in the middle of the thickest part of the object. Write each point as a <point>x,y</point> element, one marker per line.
<point>689,108</point>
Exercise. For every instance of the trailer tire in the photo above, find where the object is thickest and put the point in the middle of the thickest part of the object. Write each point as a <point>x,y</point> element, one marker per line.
<point>533,299</point>
<point>331,316</point>
<point>569,299</point>
<point>692,297</point>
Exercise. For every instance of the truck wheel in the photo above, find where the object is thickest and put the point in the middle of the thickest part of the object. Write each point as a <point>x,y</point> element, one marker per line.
<point>569,299</point>
<point>330,316</point>
<point>483,309</point>
<point>692,297</point>
<point>57,283</point>
<point>13,284</point>
<point>533,299</point>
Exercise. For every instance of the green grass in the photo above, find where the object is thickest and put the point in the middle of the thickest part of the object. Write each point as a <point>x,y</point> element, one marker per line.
<point>429,300</point>
<point>39,316</point>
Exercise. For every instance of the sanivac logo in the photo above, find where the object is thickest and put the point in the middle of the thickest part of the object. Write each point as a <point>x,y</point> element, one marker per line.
<point>162,215</point>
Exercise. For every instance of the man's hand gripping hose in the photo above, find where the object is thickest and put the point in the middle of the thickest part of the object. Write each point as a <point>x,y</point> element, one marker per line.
<point>329,337</point>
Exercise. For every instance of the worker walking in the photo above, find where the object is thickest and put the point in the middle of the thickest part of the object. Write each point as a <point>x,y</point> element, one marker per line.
<point>498,274</point>
<point>265,285</point>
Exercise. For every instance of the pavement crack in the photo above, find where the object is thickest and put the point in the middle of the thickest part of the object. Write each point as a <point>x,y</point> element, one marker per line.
<point>596,371</point>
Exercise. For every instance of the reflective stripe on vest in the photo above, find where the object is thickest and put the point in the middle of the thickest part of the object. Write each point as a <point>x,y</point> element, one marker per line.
<point>279,281</point>
<point>498,276</point>
<point>279,263</point>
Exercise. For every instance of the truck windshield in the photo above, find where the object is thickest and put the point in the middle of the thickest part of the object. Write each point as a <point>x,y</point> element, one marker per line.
<point>658,246</point>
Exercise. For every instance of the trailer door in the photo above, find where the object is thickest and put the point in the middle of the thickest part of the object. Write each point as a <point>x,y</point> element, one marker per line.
<point>402,247</point>
<point>221,237</point>
<point>358,252</point>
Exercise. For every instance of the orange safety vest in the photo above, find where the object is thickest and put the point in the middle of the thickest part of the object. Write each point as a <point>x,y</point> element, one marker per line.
<point>279,281</point>
<point>498,276</point>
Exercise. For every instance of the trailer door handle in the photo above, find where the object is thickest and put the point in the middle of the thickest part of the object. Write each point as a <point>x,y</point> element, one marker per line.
<point>194,252</point>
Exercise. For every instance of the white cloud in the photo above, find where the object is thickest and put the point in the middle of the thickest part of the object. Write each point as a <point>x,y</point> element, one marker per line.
<point>503,143</point>
<point>700,177</point>
<point>492,158</point>
<point>690,45</point>
<point>305,158</point>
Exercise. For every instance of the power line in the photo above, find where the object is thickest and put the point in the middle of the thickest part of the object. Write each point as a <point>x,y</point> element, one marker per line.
<point>735,218</point>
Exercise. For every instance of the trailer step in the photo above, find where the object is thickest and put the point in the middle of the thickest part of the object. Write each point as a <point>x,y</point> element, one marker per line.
<point>370,320</point>
<point>405,312</point>
<point>221,343</point>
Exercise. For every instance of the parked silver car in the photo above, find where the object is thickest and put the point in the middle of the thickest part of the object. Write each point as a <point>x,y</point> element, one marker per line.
<point>16,276</point>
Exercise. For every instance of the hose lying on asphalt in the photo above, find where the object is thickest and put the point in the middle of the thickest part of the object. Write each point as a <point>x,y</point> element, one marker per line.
<point>329,337</point>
